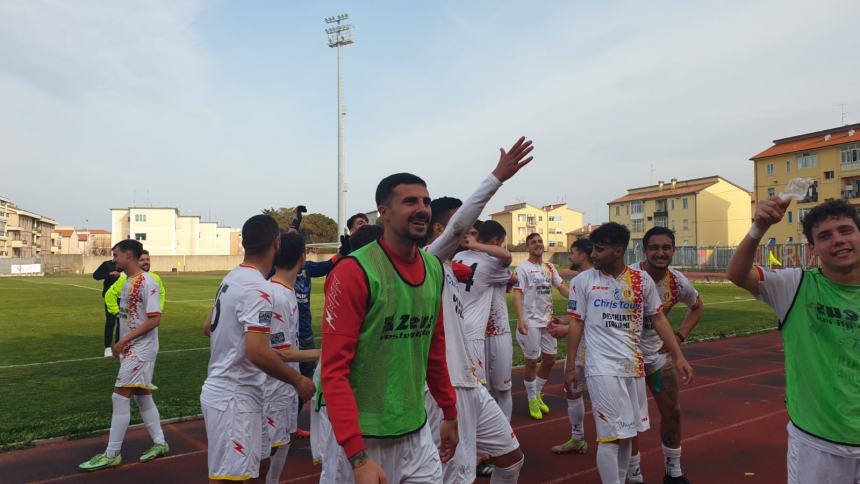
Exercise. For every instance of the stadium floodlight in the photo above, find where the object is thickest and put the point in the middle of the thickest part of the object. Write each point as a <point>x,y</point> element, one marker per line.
<point>339,35</point>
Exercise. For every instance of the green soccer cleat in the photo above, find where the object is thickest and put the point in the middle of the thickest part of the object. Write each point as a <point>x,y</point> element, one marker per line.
<point>543,407</point>
<point>99,462</point>
<point>572,446</point>
<point>534,410</point>
<point>157,450</point>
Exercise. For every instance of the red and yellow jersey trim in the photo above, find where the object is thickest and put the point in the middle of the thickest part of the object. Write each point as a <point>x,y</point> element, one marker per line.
<point>257,329</point>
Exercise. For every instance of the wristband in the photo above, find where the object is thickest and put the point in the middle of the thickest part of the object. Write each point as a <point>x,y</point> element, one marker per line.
<point>679,336</point>
<point>756,232</point>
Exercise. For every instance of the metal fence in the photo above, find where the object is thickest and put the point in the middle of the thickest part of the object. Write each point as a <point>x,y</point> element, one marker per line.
<point>20,266</point>
<point>716,258</point>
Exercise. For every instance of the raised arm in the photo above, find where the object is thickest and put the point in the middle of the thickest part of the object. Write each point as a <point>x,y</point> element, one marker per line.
<point>741,271</point>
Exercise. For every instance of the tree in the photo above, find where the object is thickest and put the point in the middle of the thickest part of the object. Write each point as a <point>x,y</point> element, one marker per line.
<point>284,216</point>
<point>315,227</point>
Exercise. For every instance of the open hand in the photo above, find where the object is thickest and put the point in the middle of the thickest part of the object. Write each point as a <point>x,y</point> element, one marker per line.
<point>511,161</point>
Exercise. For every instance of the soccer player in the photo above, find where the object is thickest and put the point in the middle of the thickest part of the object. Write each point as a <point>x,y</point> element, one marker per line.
<point>610,303</point>
<point>137,348</point>
<point>580,261</point>
<point>108,272</point>
<point>280,398</point>
<point>241,356</point>
<point>485,311</point>
<point>383,312</point>
<point>533,303</point>
<point>113,293</point>
<point>818,320</point>
<point>660,377</point>
<point>356,222</point>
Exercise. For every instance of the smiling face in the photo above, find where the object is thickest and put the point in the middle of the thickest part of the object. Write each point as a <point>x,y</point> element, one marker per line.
<point>578,259</point>
<point>604,256</point>
<point>659,251</point>
<point>836,241</point>
<point>144,262</point>
<point>535,246</point>
<point>407,213</point>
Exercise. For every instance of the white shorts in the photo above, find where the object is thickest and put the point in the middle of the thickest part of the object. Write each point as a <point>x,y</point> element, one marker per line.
<point>814,460</point>
<point>619,405</point>
<point>579,386</point>
<point>537,341</point>
<point>483,427</point>
<point>410,459</point>
<point>654,362</point>
<point>500,356</point>
<point>279,421</point>
<point>134,373</point>
<point>475,350</point>
<point>234,437</point>
<point>336,468</point>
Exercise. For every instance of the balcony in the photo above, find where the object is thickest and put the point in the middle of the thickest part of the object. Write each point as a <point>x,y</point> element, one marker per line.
<point>14,228</point>
<point>849,166</point>
<point>17,244</point>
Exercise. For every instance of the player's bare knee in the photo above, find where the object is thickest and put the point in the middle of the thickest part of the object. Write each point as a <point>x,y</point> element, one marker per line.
<point>123,392</point>
<point>508,459</point>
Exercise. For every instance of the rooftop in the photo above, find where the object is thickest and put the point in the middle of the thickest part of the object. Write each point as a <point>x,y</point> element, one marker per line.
<point>811,141</point>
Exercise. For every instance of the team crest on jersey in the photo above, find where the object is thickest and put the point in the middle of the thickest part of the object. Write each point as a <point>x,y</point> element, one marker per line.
<point>278,338</point>
<point>265,317</point>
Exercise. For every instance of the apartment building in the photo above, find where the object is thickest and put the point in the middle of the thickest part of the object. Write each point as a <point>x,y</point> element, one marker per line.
<point>24,233</point>
<point>164,231</point>
<point>831,157</point>
<point>83,241</point>
<point>552,222</point>
<point>701,211</point>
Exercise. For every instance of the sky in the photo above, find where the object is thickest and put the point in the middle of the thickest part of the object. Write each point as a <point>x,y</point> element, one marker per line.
<point>224,108</point>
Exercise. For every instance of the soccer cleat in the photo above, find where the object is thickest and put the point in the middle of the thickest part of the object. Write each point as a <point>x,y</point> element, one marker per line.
<point>108,352</point>
<point>99,462</point>
<point>157,450</point>
<point>675,480</point>
<point>484,469</point>
<point>534,410</point>
<point>543,407</point>
<point>572,446</point>
<point>637,479</point>
<point>301,433</point>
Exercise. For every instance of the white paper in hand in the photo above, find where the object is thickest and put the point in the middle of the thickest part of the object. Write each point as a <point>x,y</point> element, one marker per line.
<point>797,189</point>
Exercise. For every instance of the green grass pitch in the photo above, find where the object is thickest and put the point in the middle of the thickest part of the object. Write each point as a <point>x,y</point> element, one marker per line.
<point>54,319</point>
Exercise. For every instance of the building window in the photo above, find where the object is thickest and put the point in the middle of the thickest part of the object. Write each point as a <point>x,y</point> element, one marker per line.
<point>828,175</point>
<point>806,160</point>
<point>551,243</point>
<point>788,166</point>
<point>686,224</point>
<point>140,217</point>
<point>790,217</point>
<point>540,218</point>
<point>636,207</point>
<point>521,218</point>
<point>617,211</point>
<point>771,192</point>
<point>770,168</point>
<point>801,213</point>
<point>638,225</point>
<point>686,204</point>
<point>550,218</point>
<point>138,236</point>
<point>522,231</point>
<point>850,153</point>
<point>673,204</point>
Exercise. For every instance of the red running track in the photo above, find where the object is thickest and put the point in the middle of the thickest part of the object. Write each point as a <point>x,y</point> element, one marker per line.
<point>733,416</point>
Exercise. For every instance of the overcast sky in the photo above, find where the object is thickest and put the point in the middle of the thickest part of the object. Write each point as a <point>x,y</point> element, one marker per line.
<point>224,108</point>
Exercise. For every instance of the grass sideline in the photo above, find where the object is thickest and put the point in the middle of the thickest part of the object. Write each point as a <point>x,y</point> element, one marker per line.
<point>50,319</point>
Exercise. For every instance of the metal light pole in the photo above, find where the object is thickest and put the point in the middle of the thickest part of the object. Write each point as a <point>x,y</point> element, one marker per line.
<point>339,35</point>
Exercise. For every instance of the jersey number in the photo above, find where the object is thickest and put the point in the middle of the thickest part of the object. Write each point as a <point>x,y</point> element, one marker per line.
<point>216,310</point>
<point>471,280</point>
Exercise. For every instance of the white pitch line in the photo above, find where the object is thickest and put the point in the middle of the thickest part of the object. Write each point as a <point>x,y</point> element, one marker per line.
<point>43,363</point>
<point>182,301</point>
<point>729,302</point>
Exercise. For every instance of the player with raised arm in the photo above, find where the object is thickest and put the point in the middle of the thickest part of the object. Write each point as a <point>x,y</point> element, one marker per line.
<point>660,377</point>
<point>609,304</point>
<point>137,349</point>
<point>241,357</point>
<point>818,319</point>
<point>533,304</point>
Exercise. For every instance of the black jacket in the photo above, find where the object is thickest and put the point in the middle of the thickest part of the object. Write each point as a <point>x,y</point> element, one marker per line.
<point>103,273</point>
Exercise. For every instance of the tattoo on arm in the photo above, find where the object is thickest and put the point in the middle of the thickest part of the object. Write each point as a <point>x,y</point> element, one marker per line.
<point>358,460</point>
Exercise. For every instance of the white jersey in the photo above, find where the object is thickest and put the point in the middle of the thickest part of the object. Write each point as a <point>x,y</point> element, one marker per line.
<point>672,289</point>
<point>499,322</point>
<point>614,310</point>
<point>284,335</point>
<point>140,299</point>
<point>243,304</point>
<point>461,369</point>
<point>488,272</point>
<point>536,281</point>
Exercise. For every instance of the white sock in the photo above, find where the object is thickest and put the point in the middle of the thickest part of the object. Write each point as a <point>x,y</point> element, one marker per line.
<point>625,448</point>
<point>276,464</point>
<point>531,389</point>
<point>576,415</point>
<point>507,475</point>
<point>150,416</point>
<point>673,461</point>
<point>505,401</point>
<point>540,382</point>
<point>118,424</point>
<point>607,462</point>
<point>634,472</point>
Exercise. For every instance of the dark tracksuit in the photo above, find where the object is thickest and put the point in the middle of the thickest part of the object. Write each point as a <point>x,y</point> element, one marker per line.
<point>303,298</point>
<point>111,326</point>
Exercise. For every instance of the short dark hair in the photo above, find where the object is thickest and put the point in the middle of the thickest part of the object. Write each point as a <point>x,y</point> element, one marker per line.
<point>490,229</point>
<point>611,233</point>
<point>258,233</point>
<point>291,250</point>
<point>144,252</point>
<point>654,231</point>
<point>531,236</point>
<point>350,221</point>
<point>388,184</point>
<point>365,235</point>
<point>827,210</point>
<point>130,245</point>
<point>477,224</point>
<point>441,208</point>
<point>583,245</point>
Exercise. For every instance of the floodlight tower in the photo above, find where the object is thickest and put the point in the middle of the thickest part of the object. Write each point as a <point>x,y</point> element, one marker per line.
<point>339,35</point>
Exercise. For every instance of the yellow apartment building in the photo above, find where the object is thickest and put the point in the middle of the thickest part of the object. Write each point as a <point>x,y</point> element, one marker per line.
<point>164,231</point>
<point>25,234</point>
<point>552,222</point>
<point>83,241</point>
<point>831,157</point>
<point>701,211</point>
